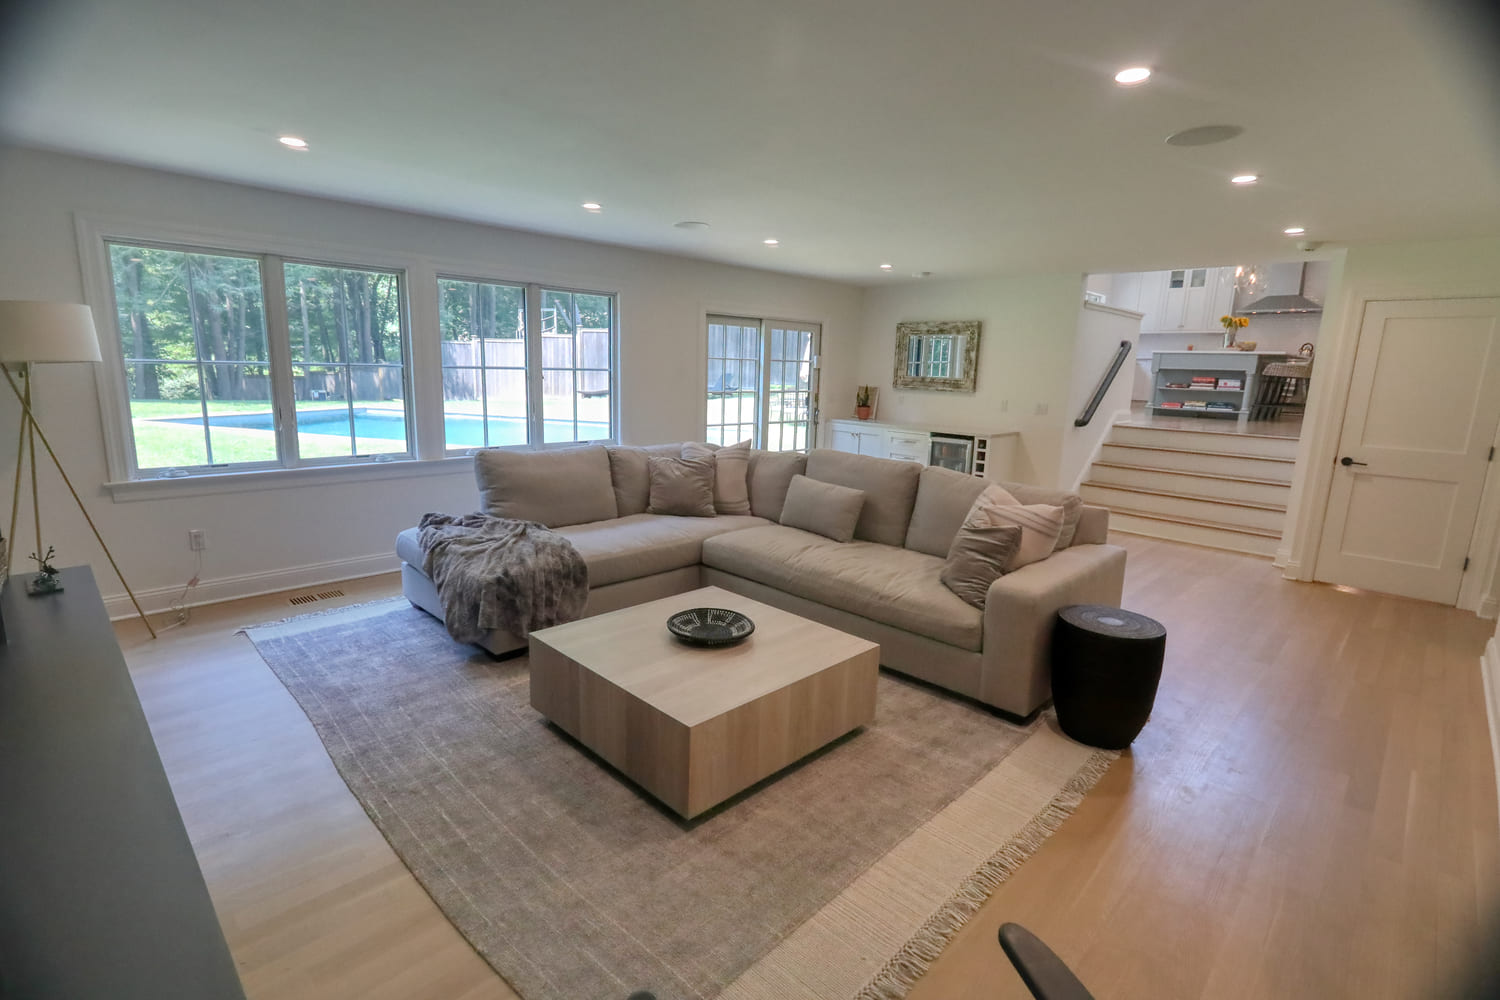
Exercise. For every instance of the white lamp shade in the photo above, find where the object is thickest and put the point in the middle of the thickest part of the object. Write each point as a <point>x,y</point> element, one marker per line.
<point>46,332</point>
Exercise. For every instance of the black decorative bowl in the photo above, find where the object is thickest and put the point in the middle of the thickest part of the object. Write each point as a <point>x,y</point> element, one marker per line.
<point>710,626</point>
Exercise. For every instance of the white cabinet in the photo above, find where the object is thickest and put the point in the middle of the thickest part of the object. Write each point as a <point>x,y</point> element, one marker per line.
<point>908,446</point>
<point>858,438</point>
<point>1186,300</point>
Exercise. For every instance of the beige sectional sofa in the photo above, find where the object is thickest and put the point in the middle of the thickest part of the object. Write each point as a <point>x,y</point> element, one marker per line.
<point>882,586</point>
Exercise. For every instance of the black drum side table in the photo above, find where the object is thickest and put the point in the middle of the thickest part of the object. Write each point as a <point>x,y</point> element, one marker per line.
<point>1106,663</point>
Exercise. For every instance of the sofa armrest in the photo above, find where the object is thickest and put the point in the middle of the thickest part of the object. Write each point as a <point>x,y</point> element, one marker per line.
<point>1019,613</point>
<point>1093,526</point>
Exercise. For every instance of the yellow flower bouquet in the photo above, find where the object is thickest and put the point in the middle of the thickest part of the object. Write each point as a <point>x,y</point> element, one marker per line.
<point>1230,325</point>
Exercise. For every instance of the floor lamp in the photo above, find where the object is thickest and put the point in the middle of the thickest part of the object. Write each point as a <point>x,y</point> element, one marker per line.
<point>33,333</point>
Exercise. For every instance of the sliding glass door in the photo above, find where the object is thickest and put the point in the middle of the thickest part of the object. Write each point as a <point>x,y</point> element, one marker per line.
<point>762,383</point>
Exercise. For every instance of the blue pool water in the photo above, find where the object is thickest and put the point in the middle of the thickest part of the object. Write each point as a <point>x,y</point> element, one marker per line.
<point>462,430</point>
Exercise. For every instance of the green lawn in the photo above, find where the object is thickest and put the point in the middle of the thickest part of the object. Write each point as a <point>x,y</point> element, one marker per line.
<point>160,444</point>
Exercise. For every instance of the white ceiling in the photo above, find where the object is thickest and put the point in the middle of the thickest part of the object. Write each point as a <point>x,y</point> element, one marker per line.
<point>962,137</point>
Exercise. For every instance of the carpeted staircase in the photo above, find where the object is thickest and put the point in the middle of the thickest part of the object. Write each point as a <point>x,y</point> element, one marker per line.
<point>1209,487</point>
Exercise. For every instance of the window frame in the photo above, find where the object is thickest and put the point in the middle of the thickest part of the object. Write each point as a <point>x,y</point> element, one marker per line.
<point>427,454</point>
<point>125,465</point>
<point>535,415</point>
<point>764,325</point>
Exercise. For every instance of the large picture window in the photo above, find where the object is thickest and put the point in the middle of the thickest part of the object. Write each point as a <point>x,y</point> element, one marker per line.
<point>201,385</point>
<point>244,358</point>
<point>193,338</point>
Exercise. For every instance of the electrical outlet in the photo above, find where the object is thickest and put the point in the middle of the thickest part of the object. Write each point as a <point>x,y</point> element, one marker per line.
<point>1041,409</point>
<point>1004,406</point>
<point>196,540</point>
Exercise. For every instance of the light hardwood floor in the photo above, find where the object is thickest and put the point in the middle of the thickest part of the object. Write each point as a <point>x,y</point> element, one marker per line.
<point>1309,813</point>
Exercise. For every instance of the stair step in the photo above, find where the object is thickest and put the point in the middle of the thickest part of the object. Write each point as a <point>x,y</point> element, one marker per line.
<point>1208,441</point>
<point>1196,475</point>
<point>1186,506</point>
<point>1211,536</point>
<point>1220,463</point>
<point>1208,430</point>
<point>1196,522</point>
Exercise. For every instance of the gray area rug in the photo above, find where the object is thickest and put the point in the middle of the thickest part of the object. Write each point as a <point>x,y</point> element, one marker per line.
<point>574,884</point>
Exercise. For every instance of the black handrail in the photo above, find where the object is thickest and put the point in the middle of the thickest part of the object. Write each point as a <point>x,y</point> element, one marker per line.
<point>1104,384</point>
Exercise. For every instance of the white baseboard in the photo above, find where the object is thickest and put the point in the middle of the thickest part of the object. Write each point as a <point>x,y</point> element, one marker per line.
<point>1489,607</point>
<point>1489,669</point>
<point>230,588</point>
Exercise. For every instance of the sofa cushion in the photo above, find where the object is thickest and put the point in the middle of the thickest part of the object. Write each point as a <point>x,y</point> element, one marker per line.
<point>1039,524</point>
<point>556,488</point>
<point>825,509</point>
<point>1071,503</point>
<point>943,501</point>
<point>683,486</point>
<point>731,474</point>
<point>978,558</point>
<point>896,586</point>
<point>771,473</point>
<point>631,478</point>
<point>890,489</point>
<point>627,548</point>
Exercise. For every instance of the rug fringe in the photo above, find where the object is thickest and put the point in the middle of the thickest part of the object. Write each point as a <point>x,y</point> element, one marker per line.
<point>245,629</point>
<point>896,978</point>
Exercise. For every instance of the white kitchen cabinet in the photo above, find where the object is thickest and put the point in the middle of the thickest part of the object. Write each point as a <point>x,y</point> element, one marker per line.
<point>1186,299</point>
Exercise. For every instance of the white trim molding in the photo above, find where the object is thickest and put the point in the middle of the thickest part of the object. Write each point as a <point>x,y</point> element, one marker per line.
<point>229,588</point>
<point>1489,670</point>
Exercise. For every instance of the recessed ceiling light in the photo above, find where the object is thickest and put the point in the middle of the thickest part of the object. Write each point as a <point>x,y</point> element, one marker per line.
<point>886,267</point>
<point>1204,135</point>
<point>1132,76</point>
<point>592,206</point>
<point>772,243</point>
<point>1294,230</point>
<point>292,142</point>
<point>690,224</point>
<point>1244,179</point>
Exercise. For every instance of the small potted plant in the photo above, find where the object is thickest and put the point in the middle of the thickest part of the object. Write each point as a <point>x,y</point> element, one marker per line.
<point>47,579</point>
<point>862,406</point>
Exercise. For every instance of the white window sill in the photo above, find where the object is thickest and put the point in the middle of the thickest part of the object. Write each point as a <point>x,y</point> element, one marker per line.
<point>281,479</point>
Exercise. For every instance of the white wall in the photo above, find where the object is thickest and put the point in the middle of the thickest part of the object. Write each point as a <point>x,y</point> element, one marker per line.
<point>287,537</point>
<point>1028,327</point>
<point>1449,269</point>
<point>1100,331</point>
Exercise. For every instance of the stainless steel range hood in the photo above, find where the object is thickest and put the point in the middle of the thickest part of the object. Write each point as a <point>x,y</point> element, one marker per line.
<point>1283,294</point>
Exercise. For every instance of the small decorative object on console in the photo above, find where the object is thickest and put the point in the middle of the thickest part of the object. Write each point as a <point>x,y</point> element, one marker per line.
<point>47,580</point>
<point>864,402</point>
<point>710,626</point>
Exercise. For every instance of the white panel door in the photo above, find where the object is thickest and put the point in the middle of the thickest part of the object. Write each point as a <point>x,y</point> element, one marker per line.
<point>1424,402</point>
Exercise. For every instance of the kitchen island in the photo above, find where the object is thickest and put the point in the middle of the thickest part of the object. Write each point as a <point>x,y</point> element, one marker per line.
<point>1208,383</point>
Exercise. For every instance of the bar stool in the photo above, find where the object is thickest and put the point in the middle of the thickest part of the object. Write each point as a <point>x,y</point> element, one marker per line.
<point>1283,387</point>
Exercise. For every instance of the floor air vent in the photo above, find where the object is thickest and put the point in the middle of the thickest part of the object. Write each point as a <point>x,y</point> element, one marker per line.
<point>320,596</point>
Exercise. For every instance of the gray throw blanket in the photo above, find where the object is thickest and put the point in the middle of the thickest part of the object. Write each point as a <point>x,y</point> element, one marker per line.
<point>495,572</point>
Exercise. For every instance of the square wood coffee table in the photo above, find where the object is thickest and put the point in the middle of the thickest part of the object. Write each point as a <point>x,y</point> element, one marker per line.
<point>694,726</point>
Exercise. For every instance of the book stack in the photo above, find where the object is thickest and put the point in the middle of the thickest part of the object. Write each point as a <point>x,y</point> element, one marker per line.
<point>1178,385</point>
<point>1205,382</point>
<point>1195,404</point>
<point>1220,404</point>
<point>1231,383</point>
<point>1171,404</point>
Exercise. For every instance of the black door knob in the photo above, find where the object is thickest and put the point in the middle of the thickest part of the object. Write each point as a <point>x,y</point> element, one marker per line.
<point>1346,461</point>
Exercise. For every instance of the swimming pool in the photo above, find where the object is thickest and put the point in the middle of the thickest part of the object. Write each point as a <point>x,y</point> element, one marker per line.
<point>462,430</point>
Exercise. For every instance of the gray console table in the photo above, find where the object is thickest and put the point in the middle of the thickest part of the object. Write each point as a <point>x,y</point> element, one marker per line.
<point>101,895</point>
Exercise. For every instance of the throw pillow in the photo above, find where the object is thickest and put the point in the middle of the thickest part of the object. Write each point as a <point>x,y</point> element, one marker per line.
<point>682,486</point>
<point>1040,524</point>
<point>731,472</point>
<point>825,509</point>
<point>977,559</point>
<point>1071,503</point>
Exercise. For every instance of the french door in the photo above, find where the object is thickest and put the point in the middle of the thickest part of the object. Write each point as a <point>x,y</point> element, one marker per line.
<point>762,383</point>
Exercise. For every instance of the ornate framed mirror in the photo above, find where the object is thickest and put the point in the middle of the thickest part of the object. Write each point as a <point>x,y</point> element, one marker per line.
<point>942,355</point>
